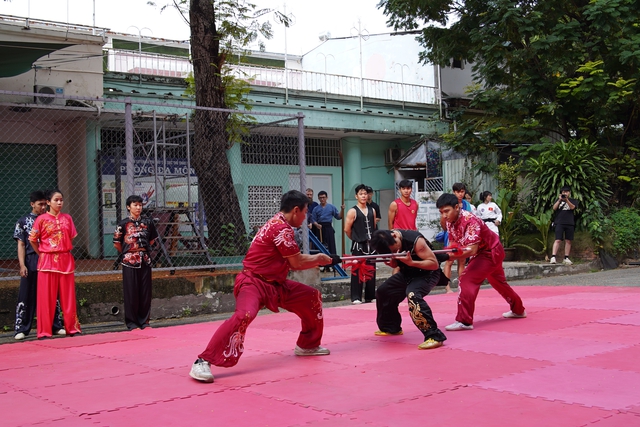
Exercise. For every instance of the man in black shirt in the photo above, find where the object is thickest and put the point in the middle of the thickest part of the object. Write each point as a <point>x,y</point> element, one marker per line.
<point>359,226</point>
<point>565,223</point>
<point>419,272</point>
<point>374,205</point>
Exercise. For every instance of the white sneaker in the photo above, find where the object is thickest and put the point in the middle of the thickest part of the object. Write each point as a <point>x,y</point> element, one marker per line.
<point>458,326</point>
<point>201,371</point>
<point>20,336</point>
<point>567,261</point>
<point>356,302</point>
<point>61,331</point>
<point>318,351</point>
<point>552,260</point>
<point>511,315</point>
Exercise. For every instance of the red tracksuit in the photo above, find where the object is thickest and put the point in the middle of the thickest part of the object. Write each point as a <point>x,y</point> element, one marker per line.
<point>263,283</point>
<point>486,264</point>
<point>56,266</point>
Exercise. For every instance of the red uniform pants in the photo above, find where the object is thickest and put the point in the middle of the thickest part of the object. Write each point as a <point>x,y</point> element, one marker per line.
<point>227,343</point>
<point>485,265</point>
<point>49,283</point>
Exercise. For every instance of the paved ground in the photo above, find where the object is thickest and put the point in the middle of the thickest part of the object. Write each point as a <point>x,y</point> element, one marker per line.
<point>572,362</point>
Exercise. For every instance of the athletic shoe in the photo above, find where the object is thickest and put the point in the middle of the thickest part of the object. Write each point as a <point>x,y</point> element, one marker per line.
<point>458,326</point>
<point>201,371</point>
<point>430,344</point>
<point>552,260</point>
<point>386,334</point>
<point>61,331</point>
<point>567,261</point>
<point>512,315</point>
<point>20,336</point>
<point>356,302</point>
<point>318,351</point>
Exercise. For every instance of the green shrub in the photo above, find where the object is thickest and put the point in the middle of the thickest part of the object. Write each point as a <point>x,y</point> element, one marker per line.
<point>626,231</point>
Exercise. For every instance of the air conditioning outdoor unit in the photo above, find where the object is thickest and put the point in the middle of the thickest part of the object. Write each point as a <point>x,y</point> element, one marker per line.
<point>392,155</point>
<point>48,90</point>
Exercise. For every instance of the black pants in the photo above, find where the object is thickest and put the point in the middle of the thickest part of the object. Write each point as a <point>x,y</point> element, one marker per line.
<point>356,284</point>
<point>137,296</point>
<point>26,307</point>
<point>398,287</point>
<point>328,237</point>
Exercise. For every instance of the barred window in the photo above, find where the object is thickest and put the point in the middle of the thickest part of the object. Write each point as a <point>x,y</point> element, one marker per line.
<point>283,150</point>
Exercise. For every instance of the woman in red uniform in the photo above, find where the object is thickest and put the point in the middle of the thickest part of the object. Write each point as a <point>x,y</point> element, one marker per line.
<point>51,238</point>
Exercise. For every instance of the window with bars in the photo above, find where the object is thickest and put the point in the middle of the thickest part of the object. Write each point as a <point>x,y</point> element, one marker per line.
<point>283,150</point>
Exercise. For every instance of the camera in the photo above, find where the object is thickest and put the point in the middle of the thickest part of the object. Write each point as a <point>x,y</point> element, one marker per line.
<point>564,196</point>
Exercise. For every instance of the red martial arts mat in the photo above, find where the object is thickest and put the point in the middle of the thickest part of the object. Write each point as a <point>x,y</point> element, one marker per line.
<point>572,362</point>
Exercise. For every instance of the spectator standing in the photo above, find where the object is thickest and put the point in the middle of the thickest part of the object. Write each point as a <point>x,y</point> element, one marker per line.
<point>489,212</point>
<point>374,205</point>
<point>468,197</point>
<point>403,211</point>
<point>322,217</point>
<point>51,237</point>
<point>359,226</point>
<point>133,238</point>
<point>565,223</point>
<point>28,259</point>
<point>312,206</point>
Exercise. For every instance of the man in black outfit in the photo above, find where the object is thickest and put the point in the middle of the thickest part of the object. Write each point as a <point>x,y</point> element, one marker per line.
<point>565,223</point>
<point>374,205</point>
<point>419,272</point>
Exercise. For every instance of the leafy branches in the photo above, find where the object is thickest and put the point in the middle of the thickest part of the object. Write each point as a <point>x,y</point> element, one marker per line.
<point>577,163</point>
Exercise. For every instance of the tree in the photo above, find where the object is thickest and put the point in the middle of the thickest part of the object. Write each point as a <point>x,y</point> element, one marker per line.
<point>545,70</point>
<point>219,29</point>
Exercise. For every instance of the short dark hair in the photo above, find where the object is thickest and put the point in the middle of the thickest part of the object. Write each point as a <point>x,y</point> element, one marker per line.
<point>369,190</point>
<point>292,199</point>
<point>49,193</point>
<point>565,188</point>
<point>361,187</point>
<point>447,199</point>
<point>37,196</point>
<point>458,186</point>
<point>322,193</point>
<point>405,183</point>
<point>484,195</point>
<point>381,240</point>
<point>134,198</point>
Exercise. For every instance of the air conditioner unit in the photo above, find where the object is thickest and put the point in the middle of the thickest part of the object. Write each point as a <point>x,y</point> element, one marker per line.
<point>392,155</point>
<point>48,90</point>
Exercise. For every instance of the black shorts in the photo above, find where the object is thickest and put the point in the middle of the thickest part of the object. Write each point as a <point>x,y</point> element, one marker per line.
<point>564,232</point>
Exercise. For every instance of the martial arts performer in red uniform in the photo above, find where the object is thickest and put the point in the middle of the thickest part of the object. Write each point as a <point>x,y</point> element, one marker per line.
<point>263,283</point>
<point>485,252</point>
<point>51,237</point>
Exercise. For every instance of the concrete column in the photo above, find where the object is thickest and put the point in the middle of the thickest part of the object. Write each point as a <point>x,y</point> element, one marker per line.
<point>352,168</point>
<point>94,196</point>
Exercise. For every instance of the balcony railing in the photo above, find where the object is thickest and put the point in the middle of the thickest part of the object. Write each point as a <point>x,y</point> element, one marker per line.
<point>126,61</point>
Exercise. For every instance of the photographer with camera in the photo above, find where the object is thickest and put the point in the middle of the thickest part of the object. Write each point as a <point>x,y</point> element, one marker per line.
<point>564,223</point>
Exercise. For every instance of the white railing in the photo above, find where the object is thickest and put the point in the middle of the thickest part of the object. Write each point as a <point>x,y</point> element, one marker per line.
<point>127,61</point>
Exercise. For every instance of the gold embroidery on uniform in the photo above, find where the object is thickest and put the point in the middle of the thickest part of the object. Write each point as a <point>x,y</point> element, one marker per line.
<point>416,315</point>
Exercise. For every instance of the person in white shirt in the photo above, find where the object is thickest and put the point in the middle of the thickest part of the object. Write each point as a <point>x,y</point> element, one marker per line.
<point>468,197</point>
<point>489,212</point>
